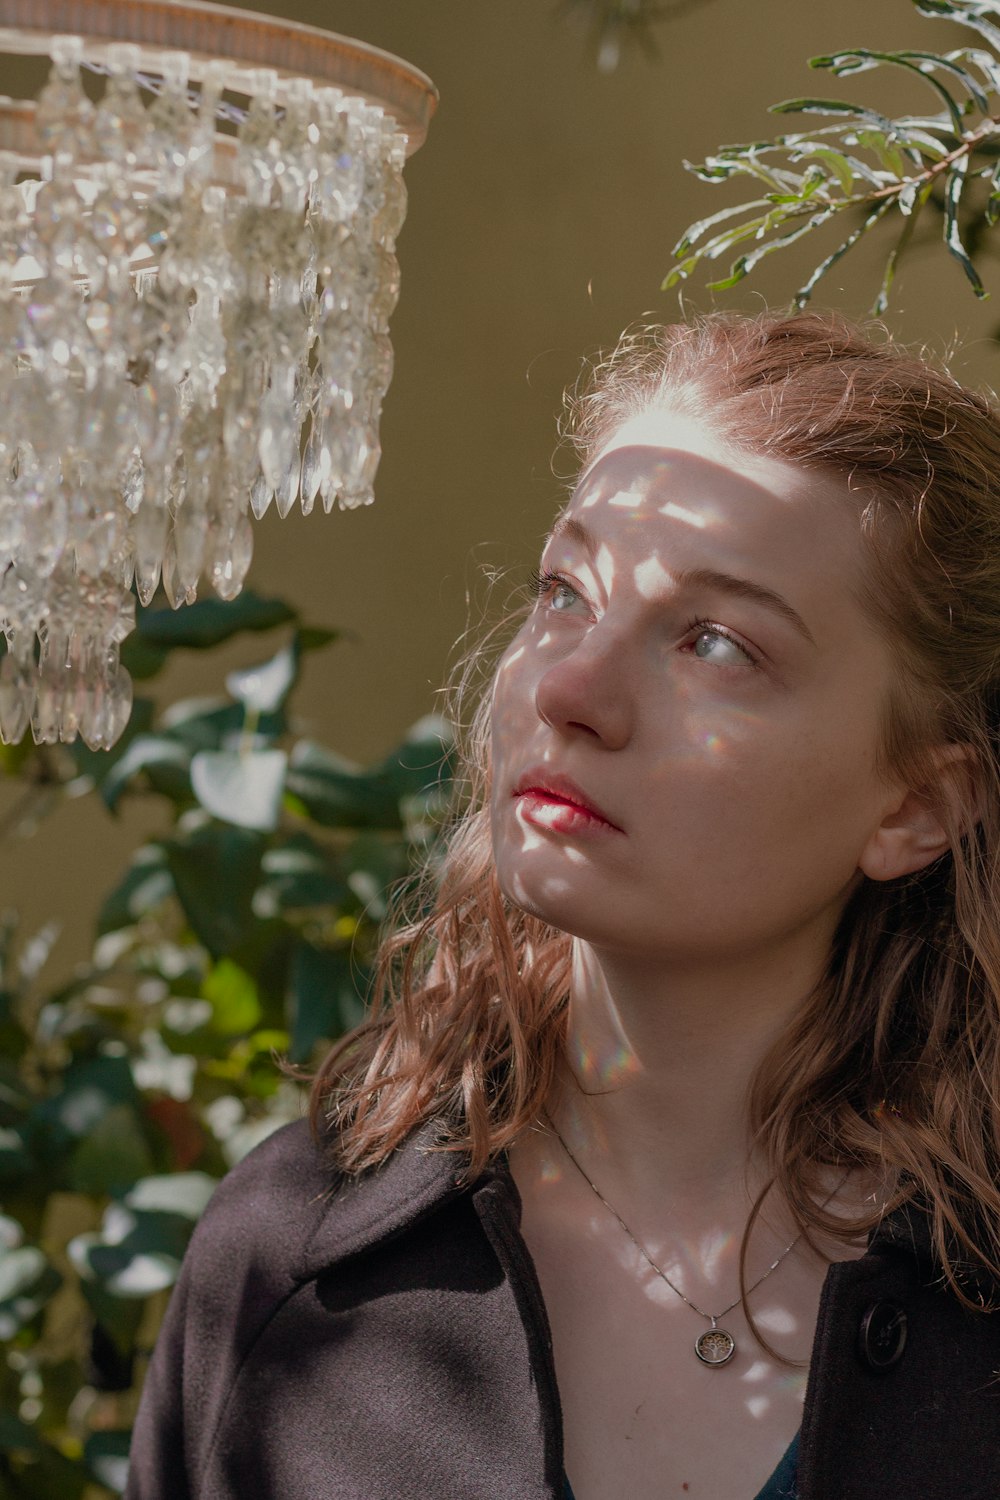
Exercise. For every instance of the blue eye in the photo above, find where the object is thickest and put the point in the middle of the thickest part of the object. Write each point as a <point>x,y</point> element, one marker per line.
<point>562,596</point>
<point>718,647</point>
<point>555,591</point>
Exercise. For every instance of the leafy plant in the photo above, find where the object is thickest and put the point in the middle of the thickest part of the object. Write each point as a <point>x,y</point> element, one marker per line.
<point>242,935</point>
<point>863,168</point>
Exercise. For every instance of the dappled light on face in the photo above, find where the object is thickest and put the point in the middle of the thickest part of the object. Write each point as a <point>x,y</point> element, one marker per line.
<point>623,499</point>
<point>650,578</point>
<point>680,513</point>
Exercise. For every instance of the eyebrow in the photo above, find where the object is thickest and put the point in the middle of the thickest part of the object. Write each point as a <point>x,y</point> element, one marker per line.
<point>701,578</point>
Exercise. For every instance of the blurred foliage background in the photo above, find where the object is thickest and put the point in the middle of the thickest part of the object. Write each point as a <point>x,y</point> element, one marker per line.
<point>233,867</point>
<point>239,938</point>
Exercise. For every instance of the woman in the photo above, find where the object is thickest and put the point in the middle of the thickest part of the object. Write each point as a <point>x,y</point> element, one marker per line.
<point>668,1162</point>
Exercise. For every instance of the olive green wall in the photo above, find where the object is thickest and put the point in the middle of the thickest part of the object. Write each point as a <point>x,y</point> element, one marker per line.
<point>542,210</point>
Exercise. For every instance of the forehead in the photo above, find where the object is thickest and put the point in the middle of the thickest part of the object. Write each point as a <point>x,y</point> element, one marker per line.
<point>668,486</point>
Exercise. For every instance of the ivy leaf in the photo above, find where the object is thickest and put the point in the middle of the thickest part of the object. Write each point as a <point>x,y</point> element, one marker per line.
<point>336,793</point>
<point>299,873</point>
<point>241,787</point>
<point>323,999</point>
<point>112,1155</point>
<point>263,689</point>
<point>147,883</point>
<point>183,1193</point>
<point>106,1456</point>
<point>27,1281</point>
<point>216,869</point>
<point>159,759</point>
<point>209,622</point>
<point>233,996</point>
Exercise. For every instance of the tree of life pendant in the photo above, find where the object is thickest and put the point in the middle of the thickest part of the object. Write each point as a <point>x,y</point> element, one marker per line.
<point>715,1346</point>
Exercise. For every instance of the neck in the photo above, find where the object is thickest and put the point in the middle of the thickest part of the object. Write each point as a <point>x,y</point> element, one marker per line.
<point>660,1063</point>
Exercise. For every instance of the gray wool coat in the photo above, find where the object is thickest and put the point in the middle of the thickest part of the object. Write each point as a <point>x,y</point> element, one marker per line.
<point>386,1339</point>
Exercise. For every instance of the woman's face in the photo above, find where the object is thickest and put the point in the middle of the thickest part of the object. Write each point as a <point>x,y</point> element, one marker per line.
<point>686,728</point>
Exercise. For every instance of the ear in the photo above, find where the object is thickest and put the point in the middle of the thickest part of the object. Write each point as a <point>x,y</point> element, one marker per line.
<point>926,819</point>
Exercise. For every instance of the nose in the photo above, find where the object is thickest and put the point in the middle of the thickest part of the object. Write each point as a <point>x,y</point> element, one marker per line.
<point>586,692</point>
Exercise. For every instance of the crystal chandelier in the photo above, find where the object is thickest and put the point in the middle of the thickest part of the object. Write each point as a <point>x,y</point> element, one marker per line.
<point>197,270</point>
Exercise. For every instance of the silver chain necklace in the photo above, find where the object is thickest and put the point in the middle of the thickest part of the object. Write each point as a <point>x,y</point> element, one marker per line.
<point>716,1346</point>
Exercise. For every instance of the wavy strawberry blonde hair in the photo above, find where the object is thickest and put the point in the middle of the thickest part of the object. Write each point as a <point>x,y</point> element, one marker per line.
<point>892,1064</point>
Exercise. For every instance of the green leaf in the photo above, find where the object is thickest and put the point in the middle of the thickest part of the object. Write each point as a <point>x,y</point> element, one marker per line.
<point>374,864</point>
<point>124,1270</point>
<point>964,16</point>
<point>112,1155</point>
<point>211,621</point>
<point>299,873</point>
<point>315,637</point>
<point>806,290</point>
<point>138,1249</point>
<point>952,234</point>
<point>15,1159</point>
<point>90,1088</point>
<point>833,107</point>
<point>746,263</point>
<point>338,794</point>
<point>695,231</point>
<point>106,1456</point>
<point>27,1281</point>
<point>157,758</point>
<point>216,869</point>
<point>233,996</point>
<point>15,1434</point>
<point>264,688</point>
<point>888,153</point>
<point>992,211</point>
<point>147,883</point>
<point>183,1193</point>
<point>323,1000</point>
<point>47,1474</point>
<point>949,63</point>
<point>838,164</point>
<point>212,723</point>
<point>899,248</point>
<point>423,761</point>
<point>241,787</point>
<point>855,62</point>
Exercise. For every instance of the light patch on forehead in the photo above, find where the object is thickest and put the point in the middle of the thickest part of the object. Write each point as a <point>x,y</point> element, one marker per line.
<point>681,513</point>
<point>651,578</point>
<point>627,499</point>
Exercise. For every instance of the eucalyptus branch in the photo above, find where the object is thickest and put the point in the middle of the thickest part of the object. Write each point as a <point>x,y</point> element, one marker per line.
<point>866,163</point>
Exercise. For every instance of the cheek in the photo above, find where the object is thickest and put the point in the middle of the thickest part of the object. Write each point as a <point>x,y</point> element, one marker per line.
<point>511,708</point>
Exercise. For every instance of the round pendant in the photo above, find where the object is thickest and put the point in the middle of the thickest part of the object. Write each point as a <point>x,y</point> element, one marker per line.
<point>715,1346</point>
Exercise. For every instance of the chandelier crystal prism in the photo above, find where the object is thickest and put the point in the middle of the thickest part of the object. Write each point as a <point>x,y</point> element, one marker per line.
<point>198,219</point>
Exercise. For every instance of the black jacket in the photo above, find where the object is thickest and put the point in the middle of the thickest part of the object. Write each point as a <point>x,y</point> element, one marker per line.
<point>386,1340</point>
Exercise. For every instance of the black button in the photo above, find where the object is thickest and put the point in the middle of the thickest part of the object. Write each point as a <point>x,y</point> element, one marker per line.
<point>882,1335</point>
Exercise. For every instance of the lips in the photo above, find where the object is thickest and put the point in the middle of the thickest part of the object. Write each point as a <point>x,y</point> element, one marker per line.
<point>555,801</point>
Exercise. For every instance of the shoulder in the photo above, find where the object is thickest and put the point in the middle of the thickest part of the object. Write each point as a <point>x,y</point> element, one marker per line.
<point>259,1217</point>
<point>275,1187</point>
<point>283,1213</point>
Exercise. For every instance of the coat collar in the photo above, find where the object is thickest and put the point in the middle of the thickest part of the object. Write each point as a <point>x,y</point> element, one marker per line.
<point>360,1213</point>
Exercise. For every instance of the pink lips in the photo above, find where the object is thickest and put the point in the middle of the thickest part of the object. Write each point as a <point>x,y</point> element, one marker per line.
<point>554,802</point>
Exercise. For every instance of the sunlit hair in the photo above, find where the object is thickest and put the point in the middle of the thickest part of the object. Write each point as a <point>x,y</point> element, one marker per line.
<point>892,1065</point>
